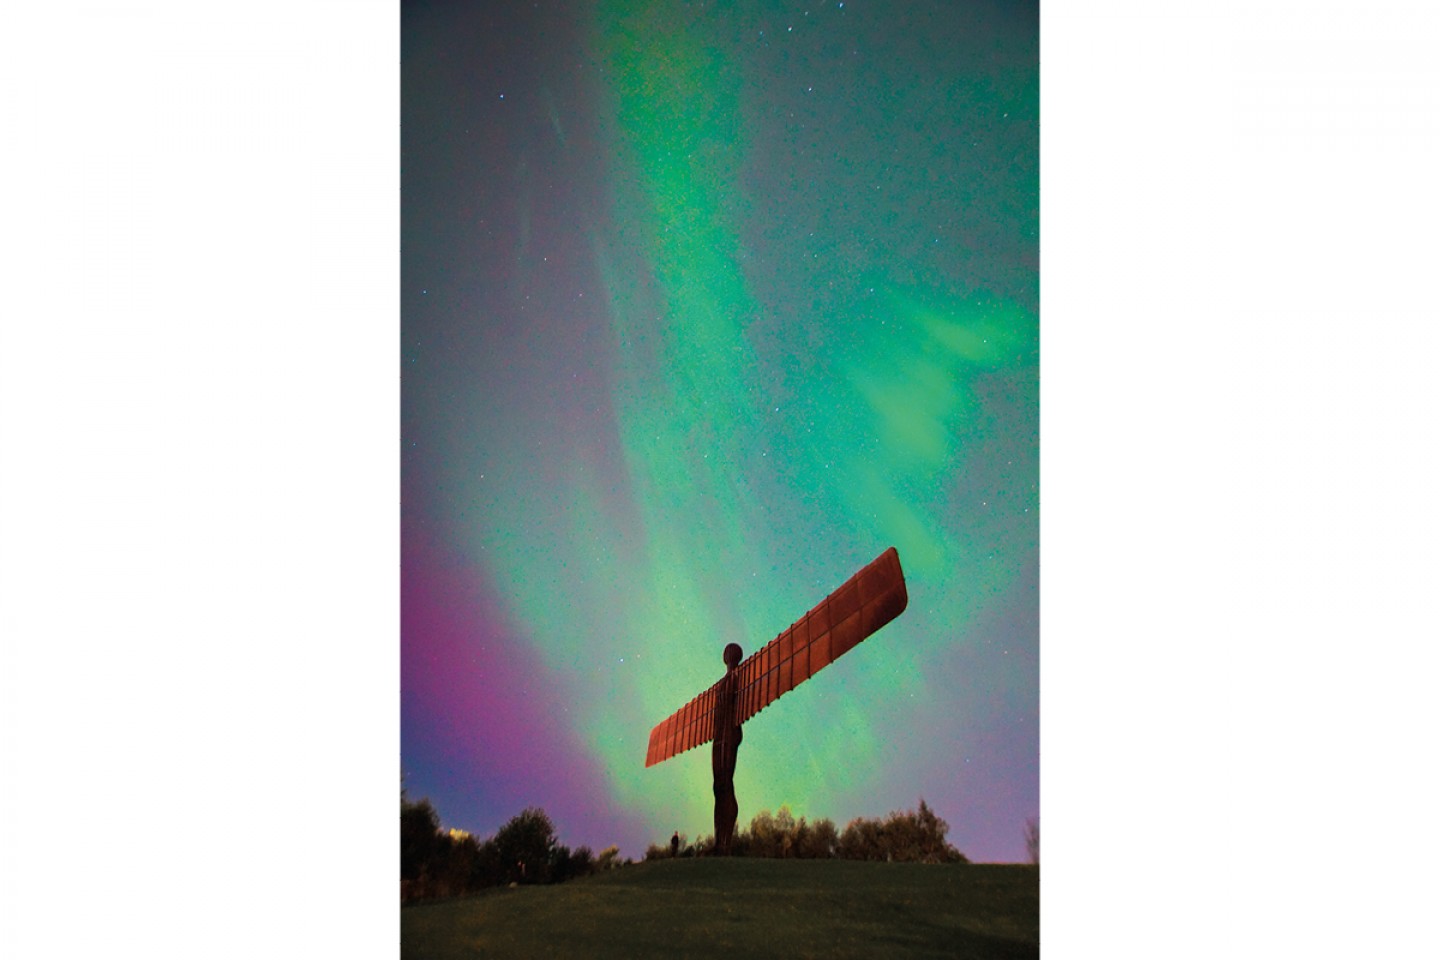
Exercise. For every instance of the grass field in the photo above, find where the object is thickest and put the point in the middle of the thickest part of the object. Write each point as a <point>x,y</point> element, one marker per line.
<point>734,908</point>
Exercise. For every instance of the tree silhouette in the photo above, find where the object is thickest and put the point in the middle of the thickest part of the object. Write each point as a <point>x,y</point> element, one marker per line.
<point>526,845</point>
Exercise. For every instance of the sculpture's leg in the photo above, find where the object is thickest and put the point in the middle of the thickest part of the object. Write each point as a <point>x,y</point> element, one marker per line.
<point>721,840</point>
<point>730,813</point>
<point>726,811</point>
<point>727,808</point>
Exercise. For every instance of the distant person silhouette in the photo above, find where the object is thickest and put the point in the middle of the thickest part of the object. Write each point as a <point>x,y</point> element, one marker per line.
<point>722,754</point>
<point>675,844</point>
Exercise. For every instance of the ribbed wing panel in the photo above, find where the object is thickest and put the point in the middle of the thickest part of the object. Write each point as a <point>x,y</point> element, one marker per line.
<point>862,605</point>
<point>690,726</point>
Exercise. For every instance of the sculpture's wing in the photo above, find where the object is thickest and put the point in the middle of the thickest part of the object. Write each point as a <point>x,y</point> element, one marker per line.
<point>862,605</point>
<point>690,726</point>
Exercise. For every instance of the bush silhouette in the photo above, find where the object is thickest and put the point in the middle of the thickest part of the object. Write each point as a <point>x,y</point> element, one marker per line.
<point>914,835</point>
<point>911,835</point>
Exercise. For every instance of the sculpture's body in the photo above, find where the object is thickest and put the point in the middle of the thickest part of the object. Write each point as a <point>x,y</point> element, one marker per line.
<point>863,604</point>
<point>727,736</point>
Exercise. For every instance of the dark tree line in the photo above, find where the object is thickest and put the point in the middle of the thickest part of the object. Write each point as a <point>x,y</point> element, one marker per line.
<point>911,835</point>
<point>434,863</point>
<point>437,863</point>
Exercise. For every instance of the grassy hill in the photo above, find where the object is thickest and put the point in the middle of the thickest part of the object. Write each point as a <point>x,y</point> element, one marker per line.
<point>744,908</point>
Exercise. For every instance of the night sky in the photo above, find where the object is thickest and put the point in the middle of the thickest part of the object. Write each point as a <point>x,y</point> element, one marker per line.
<point>702,307</point>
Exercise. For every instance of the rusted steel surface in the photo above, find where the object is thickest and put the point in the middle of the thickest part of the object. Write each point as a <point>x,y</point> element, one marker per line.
<point>862,605</point>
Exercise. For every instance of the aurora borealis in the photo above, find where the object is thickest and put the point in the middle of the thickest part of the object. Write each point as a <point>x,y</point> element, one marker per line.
<point>703,306</point>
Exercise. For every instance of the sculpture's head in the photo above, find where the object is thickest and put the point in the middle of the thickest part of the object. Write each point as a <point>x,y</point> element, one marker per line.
<point>733,653</point>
